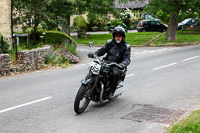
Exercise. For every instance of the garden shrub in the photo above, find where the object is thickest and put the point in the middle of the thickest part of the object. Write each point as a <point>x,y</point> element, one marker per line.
<point>80,23</point>
<point>29,30</point>
<point>6,46</point>
<point>61,56</point>
<point>116,22</point>
<point>92,19</point>
<point>56,37</point>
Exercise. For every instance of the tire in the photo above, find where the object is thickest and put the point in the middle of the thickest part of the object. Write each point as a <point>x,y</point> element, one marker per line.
<point>80,97</point>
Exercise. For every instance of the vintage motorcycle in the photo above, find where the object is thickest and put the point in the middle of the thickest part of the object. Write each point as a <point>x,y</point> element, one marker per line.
<point>95,86</point>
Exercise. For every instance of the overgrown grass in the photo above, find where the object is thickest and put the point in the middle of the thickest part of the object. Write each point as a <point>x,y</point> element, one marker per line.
<point>190,124</point>
<point>187,37</point>
<point>31,44</point>
<point>23,46</point>
<point>136,39</point>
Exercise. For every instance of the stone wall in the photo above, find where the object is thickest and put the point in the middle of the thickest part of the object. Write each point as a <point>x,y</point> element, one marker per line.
<point>5,18</point>
<point>5,64</point>
<point>27,61</point>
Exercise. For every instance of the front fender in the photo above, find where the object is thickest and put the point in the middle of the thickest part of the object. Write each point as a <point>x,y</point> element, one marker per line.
<point>86,81</point>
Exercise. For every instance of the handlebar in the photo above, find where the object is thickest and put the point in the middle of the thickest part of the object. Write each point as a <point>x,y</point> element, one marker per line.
<point>95,56</point>
<point>109,64</point>
<point>114,64</point>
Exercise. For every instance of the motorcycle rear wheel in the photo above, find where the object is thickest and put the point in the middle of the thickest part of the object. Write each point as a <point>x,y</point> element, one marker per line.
<point>80,107</point>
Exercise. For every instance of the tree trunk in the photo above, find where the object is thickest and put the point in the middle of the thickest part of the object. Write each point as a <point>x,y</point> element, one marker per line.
<point>172,27</point>
<point>66,29</point>
<point>34,31</point>
<point>199,20</point>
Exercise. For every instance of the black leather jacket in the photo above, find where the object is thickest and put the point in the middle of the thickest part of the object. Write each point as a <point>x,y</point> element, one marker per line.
<point>118,53</point>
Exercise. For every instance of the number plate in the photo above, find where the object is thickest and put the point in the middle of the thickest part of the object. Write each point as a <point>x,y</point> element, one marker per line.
<point>95,68</point>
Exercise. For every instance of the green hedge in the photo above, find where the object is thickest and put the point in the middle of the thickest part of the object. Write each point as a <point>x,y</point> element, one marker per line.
<point>80,23</point>
<point>56,37</point>
<point>6,46</point>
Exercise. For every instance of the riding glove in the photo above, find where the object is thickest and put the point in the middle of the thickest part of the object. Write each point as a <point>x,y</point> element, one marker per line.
<point>91,55</point>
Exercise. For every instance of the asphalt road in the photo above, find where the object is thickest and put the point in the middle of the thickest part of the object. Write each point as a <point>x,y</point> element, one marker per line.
<point>162,84</point>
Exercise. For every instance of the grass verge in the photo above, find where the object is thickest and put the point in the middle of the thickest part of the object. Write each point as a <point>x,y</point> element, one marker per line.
<point>190,124</point>
<point>135,39</point>
<point>188,37</point>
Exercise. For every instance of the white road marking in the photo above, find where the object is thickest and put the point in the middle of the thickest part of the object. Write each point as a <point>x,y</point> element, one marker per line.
<point>191,58</point>
<point>167,49</point>
<point>165,66</point>
<point>153,51</point>
<point>130,75</point>
<point>26,104</point>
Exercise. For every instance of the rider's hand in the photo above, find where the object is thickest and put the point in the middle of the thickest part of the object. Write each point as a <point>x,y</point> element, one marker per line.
<point>90,55</point>
<point>122,66</point>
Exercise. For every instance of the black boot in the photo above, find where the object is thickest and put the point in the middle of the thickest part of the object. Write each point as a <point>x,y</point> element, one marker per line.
<point>111,94</point>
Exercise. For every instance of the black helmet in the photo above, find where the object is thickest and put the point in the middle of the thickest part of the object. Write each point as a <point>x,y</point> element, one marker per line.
<point>119,31</point>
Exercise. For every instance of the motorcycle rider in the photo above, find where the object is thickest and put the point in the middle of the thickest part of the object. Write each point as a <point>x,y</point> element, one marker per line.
<point>117,50</point>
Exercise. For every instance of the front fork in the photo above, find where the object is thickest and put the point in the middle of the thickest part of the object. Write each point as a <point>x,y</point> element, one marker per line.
<point>88,81</point>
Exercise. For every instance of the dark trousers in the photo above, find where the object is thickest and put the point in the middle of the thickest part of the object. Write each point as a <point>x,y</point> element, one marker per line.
<point>115,77</point>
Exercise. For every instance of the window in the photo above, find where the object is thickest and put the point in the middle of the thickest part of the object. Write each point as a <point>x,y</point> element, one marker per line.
<point>153,23</point>
<point>157,23</point>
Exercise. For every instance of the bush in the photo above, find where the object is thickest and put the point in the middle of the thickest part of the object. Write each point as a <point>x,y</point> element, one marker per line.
<point>80,23</point>
<point>31,44</point>
<point>56,37</point>
<point>116,22</point>
<point>6,46</point>
<point>92,19</point>
<point>29,30</point>
<point>61,56</point>
<point>97,20</point>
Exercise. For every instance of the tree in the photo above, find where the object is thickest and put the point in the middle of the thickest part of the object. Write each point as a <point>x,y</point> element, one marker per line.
<point>173,8</point>
<point>60,12</point>
<point>95,6</point>
<point>56,13</point>
<point>29,9</point>
<point>52,13</point>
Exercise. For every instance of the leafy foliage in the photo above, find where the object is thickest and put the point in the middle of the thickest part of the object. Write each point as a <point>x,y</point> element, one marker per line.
<point>47,13</point>
<point>116,22</point>
<point>6,46</point>
<point>182,9</point>
<point>172,11</point>
<point>61,56</point>
<point>80,23</point>
<point>95,6</point>
<point>29,9</point>
<point>97,11</point>
<point>99,20</point>
<point>56,37</point>
<point>51,14</point>
<point>176,10</point>
<point>126,16</point>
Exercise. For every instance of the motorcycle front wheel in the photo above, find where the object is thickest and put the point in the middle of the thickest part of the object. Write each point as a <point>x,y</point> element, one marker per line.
<point>81,101</point>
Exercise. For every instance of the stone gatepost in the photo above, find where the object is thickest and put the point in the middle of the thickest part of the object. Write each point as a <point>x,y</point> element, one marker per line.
<point>5,19</point>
